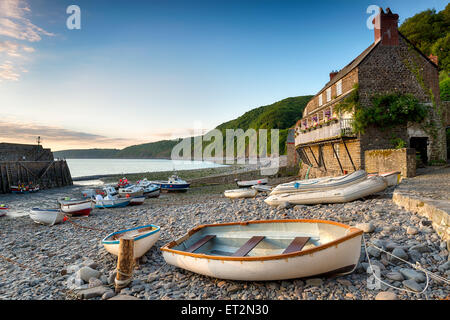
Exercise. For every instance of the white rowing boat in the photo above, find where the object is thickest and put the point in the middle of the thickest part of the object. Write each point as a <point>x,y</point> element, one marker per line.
<point>240,193</point>
<point>393,178</point>
<point>144,238</point>
<point>249,183</point>
<point>131,191</point>
<point>262,188</point>
<point>267,250</point>
<point>76,207</point>
<point>338,195</point>
<point>47,216</point>
<point>320,183</point>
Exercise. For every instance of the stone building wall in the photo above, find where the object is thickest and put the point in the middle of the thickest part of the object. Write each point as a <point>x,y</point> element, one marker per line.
<point>24,152</point>
<point>387,160</point>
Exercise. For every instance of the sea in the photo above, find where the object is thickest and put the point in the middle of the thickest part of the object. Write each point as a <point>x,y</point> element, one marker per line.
<point>95,167</point>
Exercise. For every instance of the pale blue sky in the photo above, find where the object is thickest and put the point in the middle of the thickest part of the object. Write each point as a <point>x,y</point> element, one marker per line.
<point>140,71</point>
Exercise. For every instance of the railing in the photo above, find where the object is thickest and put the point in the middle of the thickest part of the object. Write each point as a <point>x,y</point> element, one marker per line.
<point>342,127</point>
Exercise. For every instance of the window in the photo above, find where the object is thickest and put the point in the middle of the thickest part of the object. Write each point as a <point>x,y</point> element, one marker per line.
<point>328,94</point>
<point>320,100</point>
<point>339,88</point>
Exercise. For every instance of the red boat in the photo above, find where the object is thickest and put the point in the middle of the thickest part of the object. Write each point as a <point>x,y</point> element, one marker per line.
<point>76,208</point>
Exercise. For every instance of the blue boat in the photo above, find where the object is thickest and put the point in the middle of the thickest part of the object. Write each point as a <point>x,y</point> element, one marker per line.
<point>174,183</point>
<point>112,203</point>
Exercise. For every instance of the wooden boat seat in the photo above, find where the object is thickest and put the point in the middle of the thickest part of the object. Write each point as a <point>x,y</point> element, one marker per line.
<point>200,243</point>
<point>248,246</point>
<point>132,233</point>
<point>297,244</point>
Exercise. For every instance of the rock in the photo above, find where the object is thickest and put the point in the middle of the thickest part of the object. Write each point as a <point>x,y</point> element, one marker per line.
<point>366,227</point>
<point>233,288</point>
<point>87,273</point>
<point>91,264</point>
<point>411,274</point>
<point>414,255</point>
<point>315,282</point>
<point>386,295</point>
<point>391,245</point>
<point>412,285</point>
<point>412,230</point>
<point>94,282</point>
<point>345,282</point>
<point>104,279</point>
<point>221,283</point>
<point>444,267</point>
<point>123,297</point>
<point>72,269</point>
<point>284,205</point>
<point>422,248</point>
<point>398,252</point>
<point>373,252</point>
<point>108,295</point>
<point>299,207</point>
<point>92,292</point>
<point>426,223</point>
<point>112,277</point>
<point>395,275</point>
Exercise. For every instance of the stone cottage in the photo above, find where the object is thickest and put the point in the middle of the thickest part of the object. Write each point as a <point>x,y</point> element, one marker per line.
<point>325,141</point>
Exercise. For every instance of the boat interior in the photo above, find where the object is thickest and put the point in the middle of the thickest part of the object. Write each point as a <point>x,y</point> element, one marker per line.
<point>132,233</point>
<point>260,239</point>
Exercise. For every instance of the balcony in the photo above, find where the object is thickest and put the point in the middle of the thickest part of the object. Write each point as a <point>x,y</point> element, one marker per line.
<point>333,130</point>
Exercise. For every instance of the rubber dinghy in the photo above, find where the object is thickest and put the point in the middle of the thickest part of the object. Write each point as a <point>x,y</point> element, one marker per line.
<point>240,193</point>
<point>144,238</point>
<point>267,249</point>
<point>320,183</point>
<point>338,195</point>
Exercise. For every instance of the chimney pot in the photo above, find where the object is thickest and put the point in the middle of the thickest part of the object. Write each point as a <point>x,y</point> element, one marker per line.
<point>386,28</point>
<point>434,58</point>
<point>333,74</point>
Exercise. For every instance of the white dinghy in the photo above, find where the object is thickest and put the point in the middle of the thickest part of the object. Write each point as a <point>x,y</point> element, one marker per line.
<point>249,183</point>
<point>267,250</point>
<point>262,188</point>
<point>144,238</point>
<point>320,183</point>
<point>240,193</point>
<point>48,217</point>
<point>338,195</point>
<point>393,178</point>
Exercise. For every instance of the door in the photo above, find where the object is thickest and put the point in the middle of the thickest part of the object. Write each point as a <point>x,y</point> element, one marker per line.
<point>420,144</point>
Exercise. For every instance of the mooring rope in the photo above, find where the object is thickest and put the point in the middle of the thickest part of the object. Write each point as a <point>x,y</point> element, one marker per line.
<point>20,265</point>
<point>417,266</point>
<point>83,227</point>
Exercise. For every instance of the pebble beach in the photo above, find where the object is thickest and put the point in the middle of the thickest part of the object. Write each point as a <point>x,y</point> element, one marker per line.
<point>66,261</point>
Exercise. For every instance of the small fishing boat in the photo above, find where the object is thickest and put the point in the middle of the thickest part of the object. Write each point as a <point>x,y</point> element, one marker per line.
<point>240,193</point>
<point>267,250</point>
<point>337,195</point>
<point>249,183</point>
<point>393,178</point>
<point>18,189</point>
<point>143,183</point>
<point>123,183</point>
<point>320,183</point>
<point>174,183</point>
<point>152,191</point>
<point>111,202</point>
<point>131,191</point>
<point>3,209</point>
<point>144,238</point>
<point>91,193</point>
<point>262,188</point>
<point>135,201</point>
<point>110,190</point>
<point>76,207</point>
<point>47,216</point>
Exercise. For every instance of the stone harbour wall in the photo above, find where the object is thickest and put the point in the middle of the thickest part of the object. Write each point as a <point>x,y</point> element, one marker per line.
<point>386,160</point>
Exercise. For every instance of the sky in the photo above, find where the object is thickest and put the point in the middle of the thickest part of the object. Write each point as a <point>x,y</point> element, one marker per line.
<point>142,71</point>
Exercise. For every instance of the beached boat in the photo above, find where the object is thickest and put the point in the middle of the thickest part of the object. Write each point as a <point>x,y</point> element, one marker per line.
<point>174,183</point>
<point>123,183</point>
<point>47,216</point>
<point>240,193</point>
<point>393,178</point>
<point>21,189</point>
<point>152,191</point>
<point>144,238</point>
<point>337,195</point>
<point>131,191</point>
<point>76,207</point>
<point>91,193</point>
<point>111,202</point>
<point>249,183</point>
<point>3,209</point>
<point>110,190</point>
<point>135,201</point>
<point>320,183</point>
<point>262,188</point>
<point>267,249</point>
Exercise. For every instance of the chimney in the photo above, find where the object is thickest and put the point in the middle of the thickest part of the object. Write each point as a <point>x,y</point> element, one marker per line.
<point>386,28</point>
<point>433,58</point>
<point>333,74</point>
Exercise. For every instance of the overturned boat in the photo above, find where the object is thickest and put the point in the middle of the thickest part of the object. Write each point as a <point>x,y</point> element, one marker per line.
<point>341,194</point>
<point>240,193</point>
<point>144,238</point>
<point>267,250</point>
<point>320,183</point>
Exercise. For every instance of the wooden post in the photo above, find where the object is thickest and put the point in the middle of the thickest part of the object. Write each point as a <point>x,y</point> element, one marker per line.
<point>125,263</point>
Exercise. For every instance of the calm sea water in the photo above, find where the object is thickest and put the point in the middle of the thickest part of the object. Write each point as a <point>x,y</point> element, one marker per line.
<point>92,167</point>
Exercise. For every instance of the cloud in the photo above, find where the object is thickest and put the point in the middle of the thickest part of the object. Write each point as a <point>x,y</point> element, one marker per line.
<point>14,23</point>
<point>20,132</point>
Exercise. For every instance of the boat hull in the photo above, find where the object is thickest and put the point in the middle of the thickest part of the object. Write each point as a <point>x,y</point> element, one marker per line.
<point>338,195</point>
<point>153,194</point>
<point>77,208</point>
<point>338,257</point>
<point>141,244</point>
<point>47,217</point>
<point>136,201</point>
<point>117,203</point>
<point>247,184</point>
<point>240,193</point>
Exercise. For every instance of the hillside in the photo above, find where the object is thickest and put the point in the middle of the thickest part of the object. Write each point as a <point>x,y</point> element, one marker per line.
<point>279,115</point>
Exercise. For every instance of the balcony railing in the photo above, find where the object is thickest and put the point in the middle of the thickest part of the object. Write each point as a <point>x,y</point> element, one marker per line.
<point>342,127</point>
